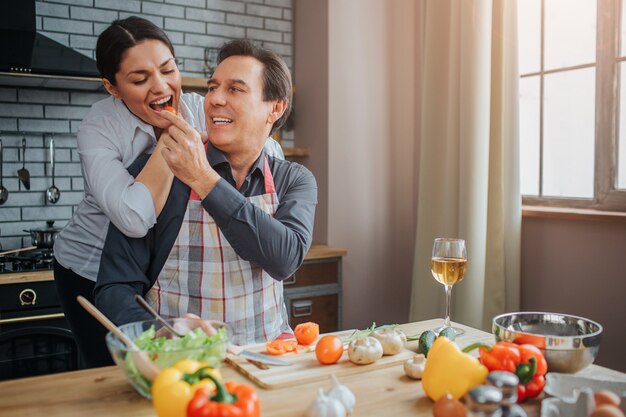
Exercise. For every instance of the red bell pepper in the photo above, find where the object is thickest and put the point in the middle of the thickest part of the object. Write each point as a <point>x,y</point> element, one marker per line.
<point>525,361</point>
<point>230,400</point>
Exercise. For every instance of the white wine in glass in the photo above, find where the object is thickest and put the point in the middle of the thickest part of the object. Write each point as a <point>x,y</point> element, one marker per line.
<point>448,265</point>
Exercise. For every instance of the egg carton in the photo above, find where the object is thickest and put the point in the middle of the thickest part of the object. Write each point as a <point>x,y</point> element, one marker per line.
<point>572,396</point>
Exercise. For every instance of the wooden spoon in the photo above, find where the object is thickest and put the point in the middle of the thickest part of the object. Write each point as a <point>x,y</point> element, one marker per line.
<point>144,365</point>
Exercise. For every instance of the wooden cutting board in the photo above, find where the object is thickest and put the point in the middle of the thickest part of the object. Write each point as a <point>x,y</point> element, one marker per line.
<point>305,367</point>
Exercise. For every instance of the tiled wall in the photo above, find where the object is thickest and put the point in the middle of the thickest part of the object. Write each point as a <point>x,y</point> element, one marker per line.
<point>192,25</point>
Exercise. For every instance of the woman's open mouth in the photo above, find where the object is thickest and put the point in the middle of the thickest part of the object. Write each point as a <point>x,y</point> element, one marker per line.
<point>161,103</point>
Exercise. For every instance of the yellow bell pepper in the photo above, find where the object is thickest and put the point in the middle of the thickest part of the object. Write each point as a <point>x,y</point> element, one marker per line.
<point>448,369</point>
<point>174,387</point>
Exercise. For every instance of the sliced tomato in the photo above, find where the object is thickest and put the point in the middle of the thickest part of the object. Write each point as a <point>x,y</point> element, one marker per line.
<point>281,346</point>
<point>307,333</point>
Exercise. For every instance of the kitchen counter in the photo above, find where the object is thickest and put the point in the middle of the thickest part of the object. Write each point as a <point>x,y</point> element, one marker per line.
<point>105,391</point>
<point>315,252</point>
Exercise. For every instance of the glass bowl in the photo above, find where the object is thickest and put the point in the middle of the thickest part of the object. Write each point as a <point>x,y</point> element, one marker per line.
<point>165,348</point>
<point>569,343</point>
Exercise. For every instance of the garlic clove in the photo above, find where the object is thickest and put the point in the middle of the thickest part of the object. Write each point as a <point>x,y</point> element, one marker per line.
<point>343,394</point>
<point>325,406</point>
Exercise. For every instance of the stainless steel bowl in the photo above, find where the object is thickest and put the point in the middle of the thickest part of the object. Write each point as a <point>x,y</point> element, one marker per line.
<point>569,343</point>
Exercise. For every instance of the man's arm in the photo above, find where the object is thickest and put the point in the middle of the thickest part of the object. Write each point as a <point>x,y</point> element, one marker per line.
<point>278,244</point>
<point>123,273</point>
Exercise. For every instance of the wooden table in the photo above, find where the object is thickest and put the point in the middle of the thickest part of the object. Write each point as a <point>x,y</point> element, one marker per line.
<point>105,391</point>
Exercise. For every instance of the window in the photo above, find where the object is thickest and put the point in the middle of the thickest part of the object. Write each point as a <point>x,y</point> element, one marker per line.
<point>572,62</point>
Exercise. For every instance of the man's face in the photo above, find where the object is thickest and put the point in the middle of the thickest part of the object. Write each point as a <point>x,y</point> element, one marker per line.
<point>147,81</point>
<point>237,118</point>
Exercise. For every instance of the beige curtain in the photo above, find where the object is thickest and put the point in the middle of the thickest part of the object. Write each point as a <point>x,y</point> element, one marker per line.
<point>469,174</point>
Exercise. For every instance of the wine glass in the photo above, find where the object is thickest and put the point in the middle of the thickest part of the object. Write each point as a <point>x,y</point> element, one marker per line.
<point>448,265</point>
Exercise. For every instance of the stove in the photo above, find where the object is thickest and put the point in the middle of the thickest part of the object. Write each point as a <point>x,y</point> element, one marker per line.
<point>28,260</point>
<point>35,338</point>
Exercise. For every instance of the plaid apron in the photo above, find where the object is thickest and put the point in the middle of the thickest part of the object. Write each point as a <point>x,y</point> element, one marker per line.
<point>203,275</point>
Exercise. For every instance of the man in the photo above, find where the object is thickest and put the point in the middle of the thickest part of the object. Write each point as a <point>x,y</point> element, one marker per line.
<point>236,222</point>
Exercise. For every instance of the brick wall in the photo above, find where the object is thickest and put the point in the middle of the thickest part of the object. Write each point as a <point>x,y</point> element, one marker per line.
<point>192,25</point>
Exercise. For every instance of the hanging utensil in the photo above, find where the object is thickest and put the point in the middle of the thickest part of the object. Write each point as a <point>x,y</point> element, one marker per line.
<point>4,193</point>
<point>143,363</point>
<point>52,193</point>
<point>23,173</point>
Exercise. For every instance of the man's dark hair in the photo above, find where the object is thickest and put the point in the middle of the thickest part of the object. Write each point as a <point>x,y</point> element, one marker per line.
<point>120,36</point>
<point>276,75</point>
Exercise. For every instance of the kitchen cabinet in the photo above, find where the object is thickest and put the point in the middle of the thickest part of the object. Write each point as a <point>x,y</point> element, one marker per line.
<point>314,291</point>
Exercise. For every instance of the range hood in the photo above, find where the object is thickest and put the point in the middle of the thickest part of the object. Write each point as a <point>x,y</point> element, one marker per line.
<point>31,59</point>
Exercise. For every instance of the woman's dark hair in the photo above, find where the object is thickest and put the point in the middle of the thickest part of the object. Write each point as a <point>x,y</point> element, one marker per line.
<point>276,76</point>
<point>120,36</point>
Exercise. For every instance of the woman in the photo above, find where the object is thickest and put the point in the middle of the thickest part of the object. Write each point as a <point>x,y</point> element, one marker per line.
<point>137,63</point>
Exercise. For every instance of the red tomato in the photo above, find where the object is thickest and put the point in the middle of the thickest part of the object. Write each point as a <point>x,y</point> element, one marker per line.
<point>328,349</point>
<point>307,333</point>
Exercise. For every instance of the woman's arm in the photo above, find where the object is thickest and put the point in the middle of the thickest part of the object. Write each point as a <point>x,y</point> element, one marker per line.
<point>157,177</point>
<point>127,203</point>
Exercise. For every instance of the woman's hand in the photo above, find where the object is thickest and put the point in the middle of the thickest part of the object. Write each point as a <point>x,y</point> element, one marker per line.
<point>185,154</point>
<point>205,325</point>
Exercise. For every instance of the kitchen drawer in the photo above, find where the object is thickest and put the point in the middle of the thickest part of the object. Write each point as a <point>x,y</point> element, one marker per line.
<point>314,273</point>
<point>321,309</point>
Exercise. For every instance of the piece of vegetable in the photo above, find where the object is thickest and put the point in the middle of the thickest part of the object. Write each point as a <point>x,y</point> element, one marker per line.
<point>281,346</point>
<point>446,406</point>
<point>325,406</point>
<point>531,389</point>
<point>170,109</point>
<point>342,394</point>
<point>328,349</point>
<point>391,339</point>
<point>526,361</point>
<point>231,399</point>
<point>414,367</point>
<point>307,333</point>
<point>426,340</point>
<point>365,350</point>
<point>450,370</point>
<point>448,332</point>
<point>174,387</point>
<point>358,334</point>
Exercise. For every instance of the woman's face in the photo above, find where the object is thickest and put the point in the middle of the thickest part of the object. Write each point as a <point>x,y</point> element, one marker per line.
<point>147,81</point>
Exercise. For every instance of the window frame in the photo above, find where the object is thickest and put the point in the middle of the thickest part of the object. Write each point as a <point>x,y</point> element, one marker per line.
<point>606,195</point>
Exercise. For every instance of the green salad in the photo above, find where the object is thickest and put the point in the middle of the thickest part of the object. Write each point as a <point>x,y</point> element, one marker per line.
<point>196,344</point>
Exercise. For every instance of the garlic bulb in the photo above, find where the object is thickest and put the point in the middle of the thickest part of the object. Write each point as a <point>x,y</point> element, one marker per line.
<point>365,350</point>
<point>392,339</point>
<point>325,406</point>
<point>343,394</point>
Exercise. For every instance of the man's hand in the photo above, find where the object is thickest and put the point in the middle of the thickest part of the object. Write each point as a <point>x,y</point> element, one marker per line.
<point>184,153</point>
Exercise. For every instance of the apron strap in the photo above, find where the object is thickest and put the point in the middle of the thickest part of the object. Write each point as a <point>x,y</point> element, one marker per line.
<point>269,179</point>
